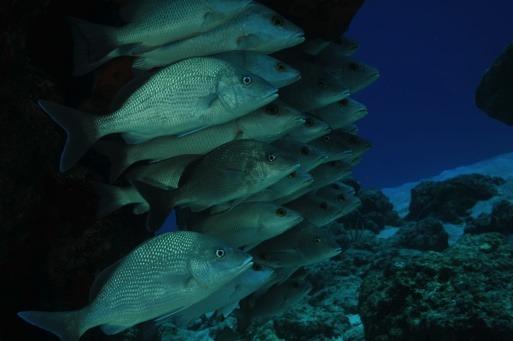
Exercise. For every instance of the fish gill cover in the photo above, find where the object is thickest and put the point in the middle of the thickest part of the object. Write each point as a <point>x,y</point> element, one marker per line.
<point>198,106</point>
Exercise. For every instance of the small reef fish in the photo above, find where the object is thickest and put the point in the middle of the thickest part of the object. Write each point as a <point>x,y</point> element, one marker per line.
<point>342,113</point>
<point>309,157</point>
<point>286,186</point>
<point>311,130</point>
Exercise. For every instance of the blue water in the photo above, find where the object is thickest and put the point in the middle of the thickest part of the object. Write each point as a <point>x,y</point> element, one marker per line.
<point>431,55</point>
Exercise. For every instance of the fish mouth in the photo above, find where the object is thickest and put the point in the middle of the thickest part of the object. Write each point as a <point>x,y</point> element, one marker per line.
<point>361,113</point>
<point>298,38</point>
<point>248,263</point>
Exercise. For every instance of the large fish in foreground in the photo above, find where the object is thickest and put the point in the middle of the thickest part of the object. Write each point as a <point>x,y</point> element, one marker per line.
<point>186,96</point>
<point>162,276</point>
<point>258,29</point>
<point>149,24</point>
<point>266,124</point>
<point>230,172</point>
<point>249,224</point>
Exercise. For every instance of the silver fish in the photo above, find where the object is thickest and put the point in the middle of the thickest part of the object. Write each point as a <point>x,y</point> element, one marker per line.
<point>317,87</point>
<point>342,113</point>
<point>249,224</point>
<point>258,29</point>
<point>163,275</point>
<point>232,171</point>
<point>227,298</point>
<point>309,157</point>
<point>303,244</point>
<point>295,181</point>
<point>311,130</point>
<point>272,70</point>
<point>266,124</point>
<point>337,144</point>
<point>193,94</point>
<point>149,24</point>
<point>112,198</point>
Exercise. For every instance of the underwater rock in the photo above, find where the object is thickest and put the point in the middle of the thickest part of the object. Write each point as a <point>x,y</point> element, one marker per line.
<point>426,234</point>
<point>450,200</point>
<point>494,94</point>
<point>463,293</point>
<point>327,18</point>
<point>500,220</point>
<point>375,212</point>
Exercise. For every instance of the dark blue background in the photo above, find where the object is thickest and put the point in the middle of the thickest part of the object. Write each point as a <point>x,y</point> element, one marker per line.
<point>431,55</point>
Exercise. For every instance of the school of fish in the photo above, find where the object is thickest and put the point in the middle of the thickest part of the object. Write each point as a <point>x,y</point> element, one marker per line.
<point>243,127</point>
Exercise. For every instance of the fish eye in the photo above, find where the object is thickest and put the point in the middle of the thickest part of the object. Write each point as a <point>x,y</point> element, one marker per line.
<point>327,138</point>
<point>341,198</point>
<point>309,122</point>
<point>272,109</point>
<point>281,212</point>
<point>247,80</point>
<point>344,102</point>
<point>263,256</point>
<point>317,240</point>
<point>333,163</point>
<point>354,66</point>
<point>271,157</point>
<point>292,175</point>
<point>324,206</point>
<point>277,20</point>
<point>305,150</point>
<point>280,67</point>
<point>257,267</point>
<point>335,186</point>
<point>220,253</point>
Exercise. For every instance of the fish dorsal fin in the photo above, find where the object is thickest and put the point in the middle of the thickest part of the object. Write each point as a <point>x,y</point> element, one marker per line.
<point>101,278</point>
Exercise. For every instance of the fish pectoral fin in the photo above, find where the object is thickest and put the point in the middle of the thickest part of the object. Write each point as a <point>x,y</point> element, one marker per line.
<point>135,138</point>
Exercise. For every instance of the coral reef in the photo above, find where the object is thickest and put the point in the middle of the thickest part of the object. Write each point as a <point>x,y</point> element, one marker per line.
<point>463,293</point>
<point>426,234</point>
<point>499,220</point>
<point>450,200</point>
<point>376,212</point>
<point>494,93</point>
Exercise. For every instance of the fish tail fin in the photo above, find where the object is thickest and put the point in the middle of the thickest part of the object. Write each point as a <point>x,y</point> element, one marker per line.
<point>117,154</point>
<point>161,203</point>
<point>111,198</point>
<point>80,128</point>
<point>93,45</point>
<point>66,325</point>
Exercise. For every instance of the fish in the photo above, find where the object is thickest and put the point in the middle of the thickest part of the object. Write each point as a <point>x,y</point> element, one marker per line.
<point>249,224</point>
<point>111,198</point>
<point>336,146</point>
<point>258,29</point>
<point>280,299</point>
<point>309,157</point>
<point>321,208</point>
<point>164,174</point>
<point>304,244</point>
<point>230,172</point>
<point>226,299</point>
<point>318,86</point>
<point>354,74</point>
<point>311,130</point>
<point>342,113</point>
<point>322,175</point>
<point>286,186</point>
<point>314,46</point>
<point>186,96</point>
<point>148,25</point>
<point>272,70</point>
<point>161,276</point>
<point>338,142</point>
<point>266,124</point>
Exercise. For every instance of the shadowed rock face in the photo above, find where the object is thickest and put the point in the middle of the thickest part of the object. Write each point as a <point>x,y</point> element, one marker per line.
<point>449,200</point>
<point>51,245</point>
<point>464,293</point>
<point>494,94</point>
<point>325,18</point>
